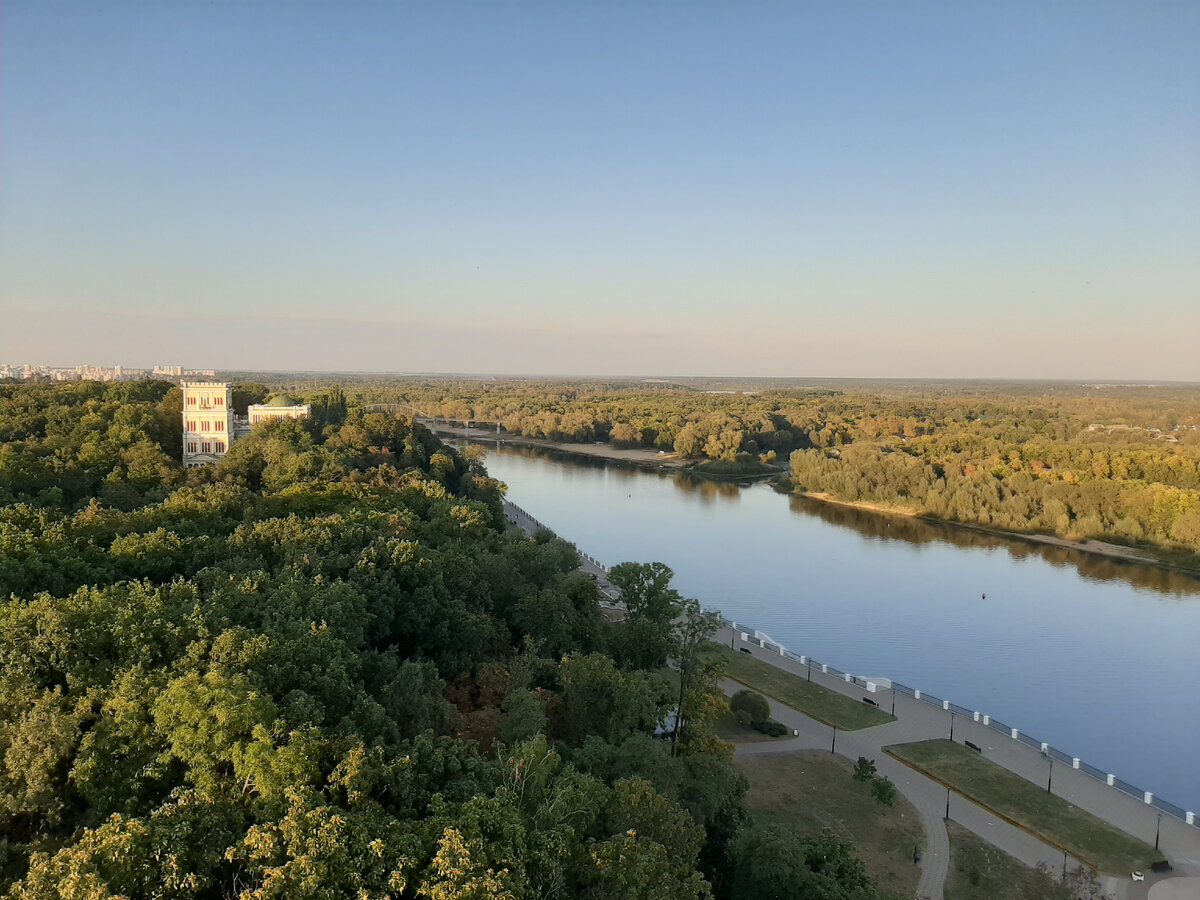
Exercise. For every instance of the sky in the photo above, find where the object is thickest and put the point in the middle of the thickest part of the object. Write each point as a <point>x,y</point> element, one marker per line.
<point>870,189</point>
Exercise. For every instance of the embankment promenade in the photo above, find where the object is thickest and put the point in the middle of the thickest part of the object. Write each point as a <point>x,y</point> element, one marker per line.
<point>921,717</point>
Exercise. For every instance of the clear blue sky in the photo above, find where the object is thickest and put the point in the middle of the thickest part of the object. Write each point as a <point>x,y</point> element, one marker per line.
<point>760,188</point>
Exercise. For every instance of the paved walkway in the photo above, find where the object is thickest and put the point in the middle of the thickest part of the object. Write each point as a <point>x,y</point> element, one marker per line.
<point>918,721</point>
<point>530,526</point>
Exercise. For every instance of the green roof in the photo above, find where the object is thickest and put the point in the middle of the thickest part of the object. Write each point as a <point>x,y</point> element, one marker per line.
<point>282,400</point>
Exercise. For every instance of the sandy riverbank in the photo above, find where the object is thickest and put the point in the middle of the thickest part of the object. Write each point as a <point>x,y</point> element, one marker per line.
<point>641,456</point>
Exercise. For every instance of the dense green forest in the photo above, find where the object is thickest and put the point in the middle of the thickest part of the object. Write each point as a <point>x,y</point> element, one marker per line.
<point>1119,463</point>
<point>327,668</point>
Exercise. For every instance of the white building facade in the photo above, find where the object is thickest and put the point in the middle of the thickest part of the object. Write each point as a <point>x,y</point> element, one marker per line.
<point>210,427</point>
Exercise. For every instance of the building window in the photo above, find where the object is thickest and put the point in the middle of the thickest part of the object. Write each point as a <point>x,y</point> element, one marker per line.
<point>257,418</point>
<point>205,447</point>
<point>191,446</point>
<point>218,401</point>
<point>220,445</point>
<point>204,426</point>
<point>218,425</point>
<point>191,400</point>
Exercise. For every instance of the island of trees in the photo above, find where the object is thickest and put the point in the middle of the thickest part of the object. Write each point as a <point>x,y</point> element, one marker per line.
<point>326,668</point>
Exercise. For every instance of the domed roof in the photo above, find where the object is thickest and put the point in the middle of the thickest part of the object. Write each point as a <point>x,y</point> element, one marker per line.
<point>282,400</point>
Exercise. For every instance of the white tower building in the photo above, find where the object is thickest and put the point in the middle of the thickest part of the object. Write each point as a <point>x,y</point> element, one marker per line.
<point>207,421</point>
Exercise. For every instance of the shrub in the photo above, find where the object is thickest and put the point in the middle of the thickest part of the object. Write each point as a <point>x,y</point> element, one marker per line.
<point>755,705</point>
<point>883,791</point>
<point>864,769</point>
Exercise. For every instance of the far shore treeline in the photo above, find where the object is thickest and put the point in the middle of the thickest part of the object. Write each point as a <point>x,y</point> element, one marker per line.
<point>1117,463</point>
<point>326,667</point>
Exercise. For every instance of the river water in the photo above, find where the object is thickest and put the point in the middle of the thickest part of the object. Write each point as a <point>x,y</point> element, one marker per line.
<point>1101,659</point>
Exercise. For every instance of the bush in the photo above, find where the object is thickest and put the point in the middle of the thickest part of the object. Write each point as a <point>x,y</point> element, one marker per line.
<point>864,769</point>
<point>773,729</point>
<point>883,791</point>
<point>753,704</point>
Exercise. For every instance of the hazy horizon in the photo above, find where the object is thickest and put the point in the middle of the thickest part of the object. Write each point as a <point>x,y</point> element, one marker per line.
<point>932,191</point>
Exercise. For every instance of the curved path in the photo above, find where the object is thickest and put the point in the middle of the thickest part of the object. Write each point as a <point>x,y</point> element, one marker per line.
<point>812,735</point>
<point>918,721</point>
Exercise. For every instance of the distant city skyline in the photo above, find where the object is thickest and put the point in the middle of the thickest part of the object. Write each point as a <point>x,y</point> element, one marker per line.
<point>928,190</point>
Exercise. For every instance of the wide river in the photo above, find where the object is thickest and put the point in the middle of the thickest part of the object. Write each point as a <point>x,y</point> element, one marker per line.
<point>1100,659</point>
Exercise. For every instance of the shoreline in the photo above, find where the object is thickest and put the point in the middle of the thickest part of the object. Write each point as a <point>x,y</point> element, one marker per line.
<point>662,461</point>
<point>642,458</point>
<point>1117,552</point>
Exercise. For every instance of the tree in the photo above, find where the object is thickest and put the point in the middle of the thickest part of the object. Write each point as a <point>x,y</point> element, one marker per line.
<point>883,791</point>
<point>773,862</point>
<point>864,769</point>
<point>750,706</point>
<point>600,699</point>
<point>701,699</point>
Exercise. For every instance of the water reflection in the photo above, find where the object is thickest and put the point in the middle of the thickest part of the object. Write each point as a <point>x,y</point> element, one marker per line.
<point>877,526</point>
<point>1076,649</point>
<point>919,531</point>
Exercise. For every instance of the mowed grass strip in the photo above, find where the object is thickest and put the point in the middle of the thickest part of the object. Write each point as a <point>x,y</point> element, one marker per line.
<point>799,693</point>
<point>813,789</point>
<point>1083,835</point>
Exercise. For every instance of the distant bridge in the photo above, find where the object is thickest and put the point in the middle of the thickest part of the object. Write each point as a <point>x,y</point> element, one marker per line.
<point>448,423</point>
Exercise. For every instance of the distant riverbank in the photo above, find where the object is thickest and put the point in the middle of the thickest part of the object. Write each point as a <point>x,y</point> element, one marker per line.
<point>658,459</point>
<point>636,456</point>
<point>1084,545</point>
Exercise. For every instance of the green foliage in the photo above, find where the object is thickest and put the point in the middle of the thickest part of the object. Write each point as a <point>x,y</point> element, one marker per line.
<point>754,705</point>
<point>883,791</point>
<point>772,729</point>
<point>321,668</point>
<point>1113,463</point>
<point>773,862</point>
<point>864,769</point>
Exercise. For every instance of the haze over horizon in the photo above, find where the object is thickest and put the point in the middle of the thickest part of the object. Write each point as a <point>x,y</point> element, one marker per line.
<point>926,191</point>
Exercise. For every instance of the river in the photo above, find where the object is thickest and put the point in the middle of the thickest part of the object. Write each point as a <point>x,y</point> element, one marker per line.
<point>1097,657</point>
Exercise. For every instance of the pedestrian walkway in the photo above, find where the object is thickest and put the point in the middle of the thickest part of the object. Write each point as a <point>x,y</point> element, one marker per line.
<point>918,721</point>
<point>587,564</point>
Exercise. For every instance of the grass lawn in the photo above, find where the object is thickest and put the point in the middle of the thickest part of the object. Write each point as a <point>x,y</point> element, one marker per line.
<point>800,693</point>
<point>811,789</point>
<point>1085,836</point>
<point>978,871</point>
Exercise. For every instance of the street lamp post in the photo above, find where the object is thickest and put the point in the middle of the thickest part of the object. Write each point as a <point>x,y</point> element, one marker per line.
<point>1050,773</point>
<point>833,745</point>
<point>947,816</point>
<point>1157,831</point>
<point>893,701</point>
<point>951,725</point>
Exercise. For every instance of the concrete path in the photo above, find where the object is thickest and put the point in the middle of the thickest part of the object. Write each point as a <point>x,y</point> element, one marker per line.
<point>530,526</point>
<point>918,721</point>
